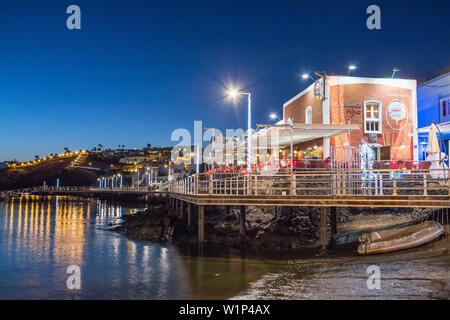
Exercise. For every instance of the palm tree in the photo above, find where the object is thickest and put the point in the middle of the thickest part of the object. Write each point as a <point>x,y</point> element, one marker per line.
<point>100,147</point>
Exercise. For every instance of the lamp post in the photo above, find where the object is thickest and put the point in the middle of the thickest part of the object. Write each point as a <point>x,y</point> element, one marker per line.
<point>290,126</point>
<point>234,94</point>
<point>274,116</point>
<point>306,76</point>
<point>350,69</point>
<point>394,71</point>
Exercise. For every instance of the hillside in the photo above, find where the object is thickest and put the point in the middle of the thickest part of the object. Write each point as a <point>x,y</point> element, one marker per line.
<point>48,171</point>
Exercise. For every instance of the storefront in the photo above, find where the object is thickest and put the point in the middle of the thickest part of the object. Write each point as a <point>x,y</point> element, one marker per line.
<point>383,109</point>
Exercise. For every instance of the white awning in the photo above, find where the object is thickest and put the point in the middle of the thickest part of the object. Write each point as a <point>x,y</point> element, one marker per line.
<point>443,127</point>
<point>302,132</point>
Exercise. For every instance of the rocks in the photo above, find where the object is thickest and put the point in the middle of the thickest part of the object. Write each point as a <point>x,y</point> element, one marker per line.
<point>268,228</point>
<point>157,224</point>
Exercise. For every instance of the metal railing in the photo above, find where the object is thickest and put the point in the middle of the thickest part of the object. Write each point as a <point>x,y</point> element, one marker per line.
<point>371,183</point>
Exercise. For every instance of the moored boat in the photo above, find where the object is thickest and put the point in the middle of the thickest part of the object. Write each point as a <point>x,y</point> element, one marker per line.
<point>399,239</point>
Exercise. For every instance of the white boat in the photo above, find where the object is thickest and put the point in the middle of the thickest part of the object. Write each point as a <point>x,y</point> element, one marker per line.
<point>399,239</point>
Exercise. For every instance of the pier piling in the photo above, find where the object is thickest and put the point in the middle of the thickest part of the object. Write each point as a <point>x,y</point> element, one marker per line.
<point>189,214</point>
<point>323,228</point>
<point>242,221</point>
<point>201,224</point>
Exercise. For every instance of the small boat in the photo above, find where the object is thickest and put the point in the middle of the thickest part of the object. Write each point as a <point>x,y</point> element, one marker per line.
<point>399,239</point>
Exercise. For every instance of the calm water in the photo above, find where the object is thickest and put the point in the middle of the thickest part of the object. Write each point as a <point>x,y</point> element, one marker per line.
<point>41,238</point>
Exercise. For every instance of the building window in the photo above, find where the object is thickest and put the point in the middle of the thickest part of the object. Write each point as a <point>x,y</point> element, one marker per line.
<point>372,117</point>
<point>445,110</point>
<point>308,115</point>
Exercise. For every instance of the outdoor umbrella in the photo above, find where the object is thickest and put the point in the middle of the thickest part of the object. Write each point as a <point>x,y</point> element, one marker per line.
<point>433,144</point>
<point>435,156</point>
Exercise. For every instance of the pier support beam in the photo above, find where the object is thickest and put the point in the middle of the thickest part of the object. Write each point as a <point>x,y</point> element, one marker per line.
<point>243,230</point>
<point>323,228</point>
<point>189,214</point>
<point>333,223</point>
<point>181,209</point>
<point>201,224</point>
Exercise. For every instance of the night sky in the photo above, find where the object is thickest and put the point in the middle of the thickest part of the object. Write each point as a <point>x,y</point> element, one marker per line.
<point>137,70</point>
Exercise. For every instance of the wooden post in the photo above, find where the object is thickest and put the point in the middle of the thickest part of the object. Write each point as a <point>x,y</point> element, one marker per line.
<point>210,191</point>
<point>425,185</point>
<point>448,181</point>
<point>293,185</point>
<point>344,185</point>
<point>394,191</point>
<point>380,175</point>
<point>189,212</point>
<point>181,209</point>
<point>227,210</point>
<point>333,223</point>
<point>323,228</point>
<point>242,221</point>
<point>201,224</point>
<point>338,183</point>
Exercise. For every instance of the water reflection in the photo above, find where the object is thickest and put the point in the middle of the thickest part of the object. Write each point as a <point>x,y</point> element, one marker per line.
<point>42,236</point>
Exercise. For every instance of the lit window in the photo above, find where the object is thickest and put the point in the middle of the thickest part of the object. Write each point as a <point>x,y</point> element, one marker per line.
<point>308,115</point>
<point>372,117</point>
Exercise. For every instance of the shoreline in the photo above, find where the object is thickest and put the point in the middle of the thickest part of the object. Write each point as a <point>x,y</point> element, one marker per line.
<point>421,272</point>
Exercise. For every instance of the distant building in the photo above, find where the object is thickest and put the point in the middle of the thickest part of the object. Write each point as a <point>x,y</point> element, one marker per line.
<point>137,159</point>
<point>3,165</point>
<point>433,105</point>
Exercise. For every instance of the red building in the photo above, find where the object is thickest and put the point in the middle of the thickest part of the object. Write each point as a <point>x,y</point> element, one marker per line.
<point>384,109</point>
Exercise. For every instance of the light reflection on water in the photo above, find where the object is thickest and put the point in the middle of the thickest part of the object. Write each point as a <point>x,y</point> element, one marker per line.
<point>40,238</point>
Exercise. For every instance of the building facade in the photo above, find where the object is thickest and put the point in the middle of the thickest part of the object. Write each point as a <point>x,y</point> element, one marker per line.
<point>433,105</point>
<point>385,110</point>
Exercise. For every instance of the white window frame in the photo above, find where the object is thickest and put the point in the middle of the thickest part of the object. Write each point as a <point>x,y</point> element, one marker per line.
<point>380,118</point>
<point>308,115</point>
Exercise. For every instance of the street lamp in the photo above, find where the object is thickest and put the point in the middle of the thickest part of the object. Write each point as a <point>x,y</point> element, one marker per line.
<point>273,116</point>
<point>351,68</point>
<point>306,76</point>
<point>394,71</point>
<point>233,93</point>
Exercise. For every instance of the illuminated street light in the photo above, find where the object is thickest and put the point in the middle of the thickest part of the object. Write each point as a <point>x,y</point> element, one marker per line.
<point>306,76</point>
<point>394,71</point>
<point>273,116</point>
<point>233,93</point>
<point>351,68</point>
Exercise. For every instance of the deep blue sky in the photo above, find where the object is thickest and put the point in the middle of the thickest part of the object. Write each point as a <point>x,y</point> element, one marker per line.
<point>139,69</point>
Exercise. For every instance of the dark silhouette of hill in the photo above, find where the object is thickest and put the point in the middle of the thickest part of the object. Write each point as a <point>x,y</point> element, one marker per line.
<point>48,171</point>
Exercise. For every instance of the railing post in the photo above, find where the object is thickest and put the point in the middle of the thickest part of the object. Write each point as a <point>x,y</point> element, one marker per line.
<point>293,185</point>
<point>210,184</point>
<point>380,176</point>
<point>255,186</point>
<point>448,182</point>
<point>344,185</point>
<point>425,185</point>
<point>249,187</point>
<point>338,183</point>
<point>394,187</point>
<point>196,186</point>
<point>376,185</point>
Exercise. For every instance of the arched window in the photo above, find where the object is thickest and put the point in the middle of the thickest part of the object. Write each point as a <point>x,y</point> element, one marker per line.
<point>308,115</point>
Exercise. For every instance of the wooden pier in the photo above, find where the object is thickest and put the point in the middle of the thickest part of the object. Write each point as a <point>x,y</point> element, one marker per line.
<point>329,190</point>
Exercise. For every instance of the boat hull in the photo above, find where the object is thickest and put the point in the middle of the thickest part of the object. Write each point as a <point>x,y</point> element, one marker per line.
<point>399,239</point>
